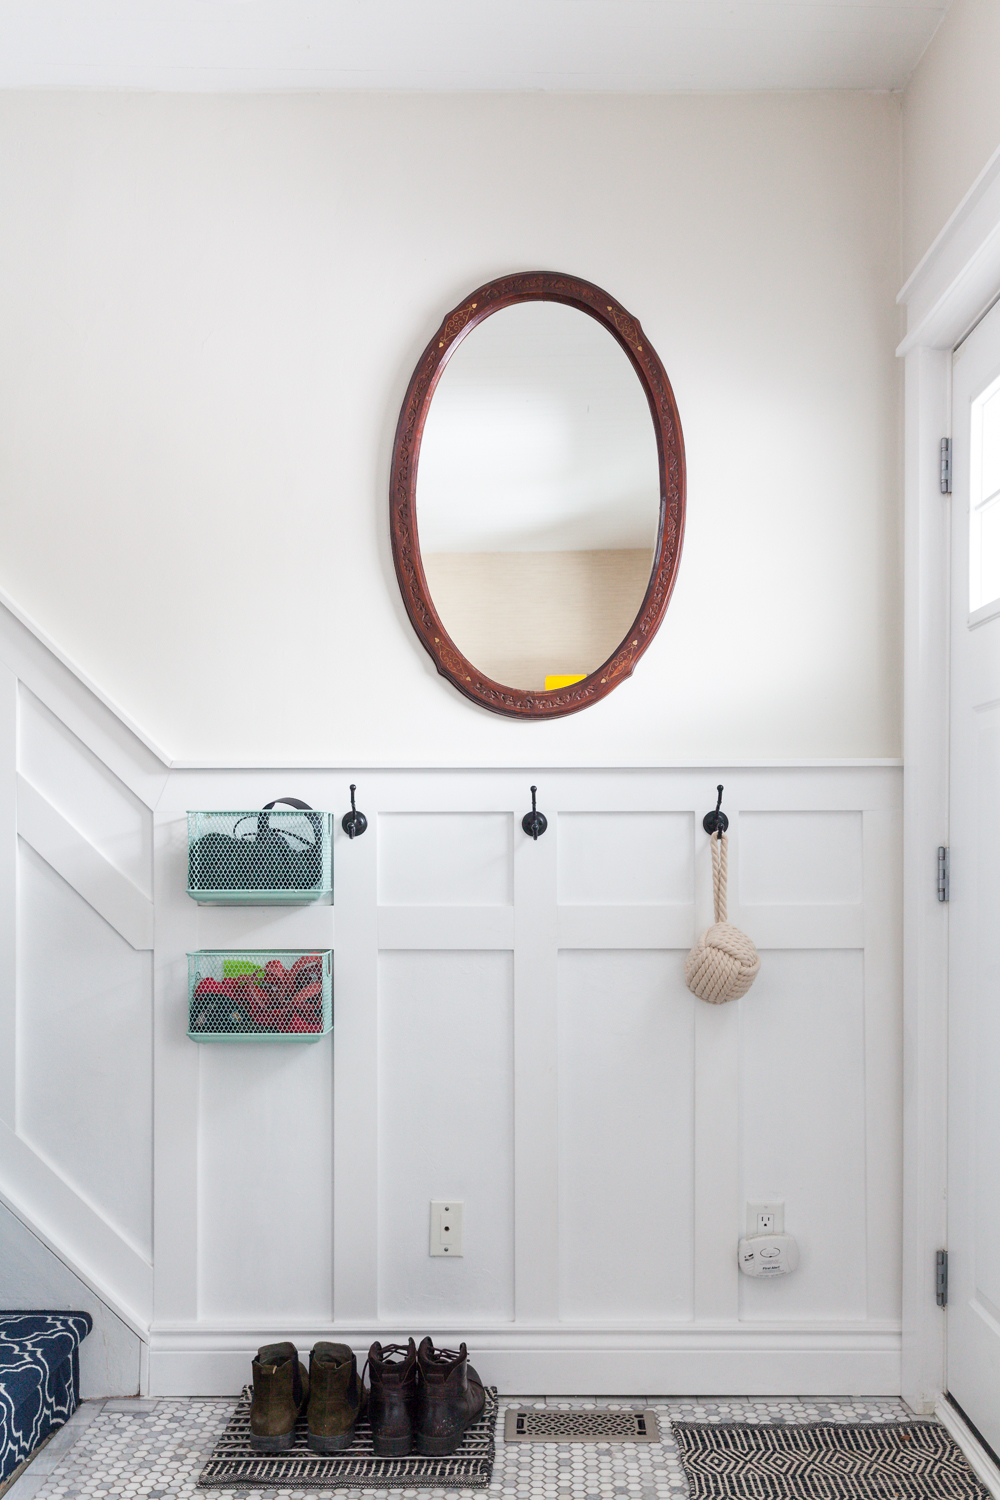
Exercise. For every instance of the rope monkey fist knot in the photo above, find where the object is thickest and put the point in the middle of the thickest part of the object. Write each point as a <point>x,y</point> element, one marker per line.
<point>722,965</point>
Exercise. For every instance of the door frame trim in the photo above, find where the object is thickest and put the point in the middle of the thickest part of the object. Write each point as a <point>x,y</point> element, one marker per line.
<point>947,294</point>
<point>980,1461</point>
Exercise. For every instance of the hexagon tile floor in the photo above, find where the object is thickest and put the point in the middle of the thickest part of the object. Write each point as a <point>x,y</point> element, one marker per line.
<point>155,1449</point>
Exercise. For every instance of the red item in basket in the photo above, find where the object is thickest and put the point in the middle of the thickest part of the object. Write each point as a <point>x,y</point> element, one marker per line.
<point>307,1009</point>
<point>289,1000</point>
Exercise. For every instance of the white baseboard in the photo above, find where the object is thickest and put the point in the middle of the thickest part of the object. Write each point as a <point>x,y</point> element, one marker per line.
<point>733,1361</point>
<point>985,1469</point>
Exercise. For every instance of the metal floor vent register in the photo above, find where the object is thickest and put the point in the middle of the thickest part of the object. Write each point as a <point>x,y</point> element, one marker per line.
<point>529,1425</point>
<point>234,1464</point>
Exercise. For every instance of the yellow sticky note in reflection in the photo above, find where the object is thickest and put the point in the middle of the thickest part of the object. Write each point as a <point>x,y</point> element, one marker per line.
<point>551,683</point>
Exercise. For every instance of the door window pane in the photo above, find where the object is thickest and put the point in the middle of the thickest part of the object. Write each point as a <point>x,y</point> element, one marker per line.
<point>984,499</point>
<point>991,444</point>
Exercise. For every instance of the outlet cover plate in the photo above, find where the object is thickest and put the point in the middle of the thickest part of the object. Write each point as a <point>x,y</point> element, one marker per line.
<point>446,1227</point>
<point>766,1218</point>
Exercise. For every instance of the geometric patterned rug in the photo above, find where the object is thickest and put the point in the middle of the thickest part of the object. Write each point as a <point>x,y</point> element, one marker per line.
<point>235,1465</point>
<point>895,1461</point>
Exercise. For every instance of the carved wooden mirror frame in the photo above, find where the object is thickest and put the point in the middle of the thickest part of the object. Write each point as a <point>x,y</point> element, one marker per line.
<point>536,286</point>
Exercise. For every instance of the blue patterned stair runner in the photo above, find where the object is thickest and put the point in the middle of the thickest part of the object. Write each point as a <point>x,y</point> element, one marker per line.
<point>39,1379</point>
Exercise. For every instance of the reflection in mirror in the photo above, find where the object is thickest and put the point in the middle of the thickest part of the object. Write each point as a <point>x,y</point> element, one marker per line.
<point>538,495</point>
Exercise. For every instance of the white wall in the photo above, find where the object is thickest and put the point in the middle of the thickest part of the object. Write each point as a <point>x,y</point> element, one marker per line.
<point>209,311</point>
<point>951,121</point>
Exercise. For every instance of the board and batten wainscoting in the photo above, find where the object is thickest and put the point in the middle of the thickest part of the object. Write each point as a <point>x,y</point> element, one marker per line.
<point>511,1027</point>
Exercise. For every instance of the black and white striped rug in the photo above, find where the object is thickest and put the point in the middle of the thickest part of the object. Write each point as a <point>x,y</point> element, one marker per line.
<point>234,1464</point>
<point>860,1461</point>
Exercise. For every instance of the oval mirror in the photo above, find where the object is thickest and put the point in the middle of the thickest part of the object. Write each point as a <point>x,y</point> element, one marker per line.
<point>537,495</point>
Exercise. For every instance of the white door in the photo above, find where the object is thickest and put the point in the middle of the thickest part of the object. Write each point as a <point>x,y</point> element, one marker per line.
<point>974,914</point>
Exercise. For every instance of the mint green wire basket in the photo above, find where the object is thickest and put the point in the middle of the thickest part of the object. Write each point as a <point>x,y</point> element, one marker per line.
<point>276,857</point>
<point>260,995</point>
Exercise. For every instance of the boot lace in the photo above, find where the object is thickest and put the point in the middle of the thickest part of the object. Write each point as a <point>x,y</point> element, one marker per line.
<point>394,1364</point>
<point>393,1349</point>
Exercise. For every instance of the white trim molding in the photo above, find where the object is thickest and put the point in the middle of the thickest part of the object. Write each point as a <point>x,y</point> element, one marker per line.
<point>770,1359</point>
<point>953,286</point>
<point>981,1462</point>
<point>72,856</point>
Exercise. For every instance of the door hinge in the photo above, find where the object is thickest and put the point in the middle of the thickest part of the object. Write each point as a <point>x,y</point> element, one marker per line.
<point>946,466</point>
<point>941,1278</point>
<point>944,873</point>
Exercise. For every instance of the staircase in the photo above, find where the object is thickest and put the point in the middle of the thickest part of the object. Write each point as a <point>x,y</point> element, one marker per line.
<point>39,1379</point>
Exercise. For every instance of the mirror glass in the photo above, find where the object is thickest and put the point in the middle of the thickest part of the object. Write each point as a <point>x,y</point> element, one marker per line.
<point>538,495</point>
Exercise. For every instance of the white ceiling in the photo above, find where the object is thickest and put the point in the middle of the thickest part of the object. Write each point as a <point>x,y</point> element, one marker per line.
<point>628,45</point>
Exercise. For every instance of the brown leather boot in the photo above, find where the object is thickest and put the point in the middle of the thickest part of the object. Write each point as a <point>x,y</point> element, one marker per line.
<point>336,1397</point>
<point>393,1390</point>
<point>450,1396</point>
<point>280,1390</point>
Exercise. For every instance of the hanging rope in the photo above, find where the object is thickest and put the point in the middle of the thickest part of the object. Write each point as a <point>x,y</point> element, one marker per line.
<point>720,873</point>
<point>723,963</point>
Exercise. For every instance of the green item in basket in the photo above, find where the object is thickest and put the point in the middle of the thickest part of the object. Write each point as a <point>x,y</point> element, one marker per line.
<point>233,968</point>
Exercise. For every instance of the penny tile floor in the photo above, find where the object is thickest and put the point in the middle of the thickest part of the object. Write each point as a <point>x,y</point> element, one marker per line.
<point>155,1449</point>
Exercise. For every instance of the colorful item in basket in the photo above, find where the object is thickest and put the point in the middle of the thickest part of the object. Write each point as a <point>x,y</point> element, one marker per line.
<point>251,998</point>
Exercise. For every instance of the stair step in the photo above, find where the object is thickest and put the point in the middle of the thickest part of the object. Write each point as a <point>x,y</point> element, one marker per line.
<point>39,1378</point>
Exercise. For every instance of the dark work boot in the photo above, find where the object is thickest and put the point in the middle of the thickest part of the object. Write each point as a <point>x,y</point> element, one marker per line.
<point>391,1397</point>
<point>280,1390</point>
<point>336,1397</point>
<point>450,1396</point>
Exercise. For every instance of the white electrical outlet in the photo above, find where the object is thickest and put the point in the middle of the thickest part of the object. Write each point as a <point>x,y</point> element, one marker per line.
<point>446,1227</point>
<point>765,1218</point>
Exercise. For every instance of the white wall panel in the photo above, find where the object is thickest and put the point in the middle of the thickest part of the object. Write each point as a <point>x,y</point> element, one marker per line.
<point>626,859</point>
<point>84,1072</point>
<point>511,1028</point>
<point>87,793</point>
<point>265,1182</point>
<point>883,963</point>
<point>802,1105</point>
<point>799,858</point>
<point>626,1136</point>
<point>466,956</point>
<point>458,858</point>
<point>445,1123</point>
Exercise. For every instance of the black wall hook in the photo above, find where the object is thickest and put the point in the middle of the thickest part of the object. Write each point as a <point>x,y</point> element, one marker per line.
<point>354,823</point>
<point>534,823</point>
<point>717,820</point>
